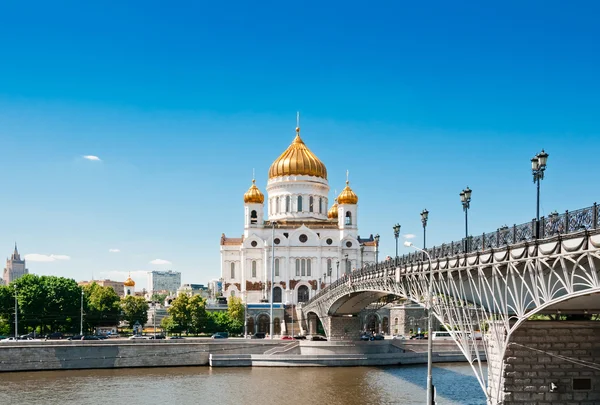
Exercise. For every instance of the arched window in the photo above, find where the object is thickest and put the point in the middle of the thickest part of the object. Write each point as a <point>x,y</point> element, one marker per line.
<point>277,294</point>
<point>253,217</point>
<point>329,267</point>
<point>276,267</point>
<point>302,293</point>
<point>320,205</point>
<point>253,268</point>
<point>277,205</point>
<point>310,203</point>
<point>348,266</point>
<point>308,266</point>
<point>396,324</point>
<point>287,204</point>
<point>232,293</point>
<point>303,267</point>
<point>299,203</point>
<point>298,267</point>
<point>232,267</point>
<point>348,218</point>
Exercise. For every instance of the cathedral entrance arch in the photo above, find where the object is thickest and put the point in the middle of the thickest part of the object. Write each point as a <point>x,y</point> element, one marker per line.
<point>372,323</point>
<point>277,294</point>
<point>302,293</point>
<point>276,326</point>
<point>263,323</point>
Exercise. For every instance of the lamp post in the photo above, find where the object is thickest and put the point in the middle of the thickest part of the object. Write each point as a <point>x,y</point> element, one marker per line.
<point>465,199</point>
<point>396,234</point>
<point>337,265</point>
<point>81,320</point>
<point>424,216</point>
<point>272,323</point>
<point>538,167</point>
<point>429,335</point>
<point>376,250</point>
<point>245,313</point>
<point>16,315</point>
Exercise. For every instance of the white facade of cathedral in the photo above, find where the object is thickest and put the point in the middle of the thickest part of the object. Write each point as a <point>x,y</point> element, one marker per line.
<point>313,246</point>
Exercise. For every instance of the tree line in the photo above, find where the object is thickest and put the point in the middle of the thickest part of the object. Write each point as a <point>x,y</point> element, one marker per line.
<point>53,304</point>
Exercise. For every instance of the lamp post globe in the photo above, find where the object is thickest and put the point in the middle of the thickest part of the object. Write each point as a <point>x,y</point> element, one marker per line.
<point>465,199</point>
<point>396,235</point>
<point>538,167</point>
<point>376,238</point>
<point>424,217</point>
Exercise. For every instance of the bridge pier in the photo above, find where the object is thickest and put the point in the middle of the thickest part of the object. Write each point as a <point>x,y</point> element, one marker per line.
<point>342,327</point>
<point>548,362</point>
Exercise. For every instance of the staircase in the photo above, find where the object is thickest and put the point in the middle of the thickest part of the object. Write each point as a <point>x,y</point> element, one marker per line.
<point>290,313</point>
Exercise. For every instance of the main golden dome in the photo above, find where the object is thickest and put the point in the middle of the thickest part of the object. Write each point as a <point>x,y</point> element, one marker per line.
<point>298,160</point>
<point>333,211</point>
<point>347,196</point>
<point>129,282</point>
<point>253,195</point>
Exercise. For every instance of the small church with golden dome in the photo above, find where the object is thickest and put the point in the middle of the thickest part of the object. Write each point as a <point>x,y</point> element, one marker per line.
<point>302,243</point>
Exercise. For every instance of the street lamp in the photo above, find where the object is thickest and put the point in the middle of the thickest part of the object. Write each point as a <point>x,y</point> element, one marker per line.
<point>376,250</point>
<point>337,265</point>
<point>396,234</point>
<point>16,315</point>
<point>538,166</point>
<point>272,323</point>
<point>424,216</point>
<point>429,334</point>
<point>81,320</point>
<point>465,199</point>
<point>245,313</point>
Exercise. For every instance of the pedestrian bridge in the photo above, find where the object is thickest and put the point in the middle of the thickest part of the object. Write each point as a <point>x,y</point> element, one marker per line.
<point>491,283</point>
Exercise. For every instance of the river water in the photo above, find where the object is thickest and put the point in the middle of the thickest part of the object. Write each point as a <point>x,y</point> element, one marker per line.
<point>455,384</point>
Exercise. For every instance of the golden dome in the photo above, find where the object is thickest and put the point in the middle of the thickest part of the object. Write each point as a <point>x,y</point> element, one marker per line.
<point>253,195</point>
<point>298,160</point>
<point>333,211</point>
<point>347,196</point>
<point>129,282</point>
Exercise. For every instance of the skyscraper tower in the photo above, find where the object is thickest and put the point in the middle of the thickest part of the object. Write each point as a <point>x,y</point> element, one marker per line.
<point>15,267</point>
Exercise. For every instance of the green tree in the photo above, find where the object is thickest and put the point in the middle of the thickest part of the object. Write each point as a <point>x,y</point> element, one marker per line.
<point>7,310</point>
<point>180,311</point>
<point>235,310</point>
<point>198,315</point>
<point>102,306</point>
<point>134,309</point>
<point>159,297</point>
<point>169,325</point>
<point>63,304</point>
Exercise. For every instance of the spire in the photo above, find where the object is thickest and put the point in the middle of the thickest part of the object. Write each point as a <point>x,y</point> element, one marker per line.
<point>15,255</point>
<point>298,122</point>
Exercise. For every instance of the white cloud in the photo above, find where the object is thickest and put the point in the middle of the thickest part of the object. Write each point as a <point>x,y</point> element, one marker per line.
<point>114,250</point>
<point>36,257</point>
<point>160,261</point>
<point>409,236</point>
<point>92,157</point>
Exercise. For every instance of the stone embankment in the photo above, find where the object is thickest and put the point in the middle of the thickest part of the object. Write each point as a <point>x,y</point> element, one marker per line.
<point>65,355</point>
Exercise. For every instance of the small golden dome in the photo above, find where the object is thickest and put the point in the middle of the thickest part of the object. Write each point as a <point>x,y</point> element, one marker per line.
<point>333,211</point>
<point>129,282</point>
<point>347,196</point>
<point>253,195</point>
<point>298,160</point>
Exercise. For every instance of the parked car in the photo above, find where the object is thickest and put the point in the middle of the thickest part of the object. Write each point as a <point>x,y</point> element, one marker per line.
<point>220,335</point>
<point>10,339</point>
<point>399,337</point>
<point>259,335</point>
<point>157,336</point>
<point>300,337</point>
<point>287,338</point>
<point>139,337</point>
<point>318,338</point>
<point>419,336</point>
<point>90,337</point>
<point>365,337</point>
<point>175,337</point>
<point>76,337</point>
<point>54,336</point>
<point>377,337</point>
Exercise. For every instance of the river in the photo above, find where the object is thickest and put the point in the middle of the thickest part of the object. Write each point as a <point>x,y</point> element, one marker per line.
<point>405,385</point>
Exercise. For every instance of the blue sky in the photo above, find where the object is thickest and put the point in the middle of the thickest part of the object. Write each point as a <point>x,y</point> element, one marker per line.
<point>182,100</point>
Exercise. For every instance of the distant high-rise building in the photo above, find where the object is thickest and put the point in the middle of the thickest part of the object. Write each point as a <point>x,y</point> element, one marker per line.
<point>164,280</point>
<point>15,267</point>
<point>116,285</point>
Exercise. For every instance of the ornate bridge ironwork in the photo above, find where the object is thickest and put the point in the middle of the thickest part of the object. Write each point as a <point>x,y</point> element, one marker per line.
<point>507,277</point>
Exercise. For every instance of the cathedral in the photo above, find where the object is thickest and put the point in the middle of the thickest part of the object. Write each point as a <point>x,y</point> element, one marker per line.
<point>303,244</point>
